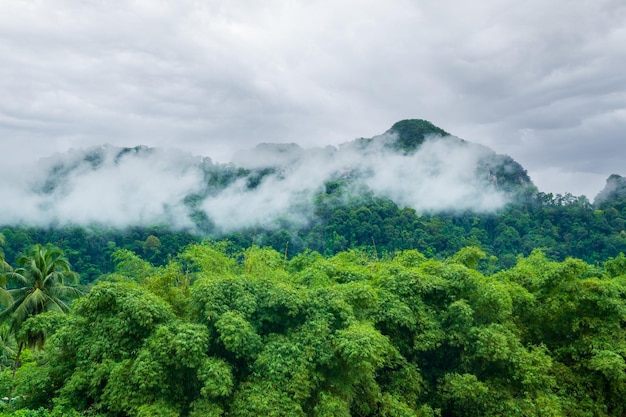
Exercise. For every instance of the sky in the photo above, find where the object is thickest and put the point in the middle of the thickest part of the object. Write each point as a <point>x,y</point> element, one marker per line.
<point>543,81</point>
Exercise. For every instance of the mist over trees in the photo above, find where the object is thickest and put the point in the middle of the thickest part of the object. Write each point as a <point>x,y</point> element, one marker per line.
<point>560,225</point>
<point>414,164</point>
<point>416,274</point>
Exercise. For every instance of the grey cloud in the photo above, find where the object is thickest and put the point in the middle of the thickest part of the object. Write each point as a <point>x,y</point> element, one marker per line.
<point>215,77</point>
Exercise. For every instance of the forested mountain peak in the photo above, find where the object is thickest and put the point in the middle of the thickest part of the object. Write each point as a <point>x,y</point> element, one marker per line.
<point>500,170</point>
<point>405,138</point>
<point>412,133</point>
<point>614,192</point>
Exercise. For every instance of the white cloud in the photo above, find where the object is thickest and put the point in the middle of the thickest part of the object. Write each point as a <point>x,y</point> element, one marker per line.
<point>143,189</point>
<point>441,175</point>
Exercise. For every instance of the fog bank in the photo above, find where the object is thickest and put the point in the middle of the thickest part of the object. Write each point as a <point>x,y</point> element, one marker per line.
<point>262,186</point>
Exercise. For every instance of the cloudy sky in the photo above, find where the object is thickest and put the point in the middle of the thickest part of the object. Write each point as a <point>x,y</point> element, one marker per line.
<point>541,80</point>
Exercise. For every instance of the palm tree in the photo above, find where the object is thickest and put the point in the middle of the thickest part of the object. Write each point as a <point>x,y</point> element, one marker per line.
<point>37,285</point>
<point>7,347</point>
<point>3,265</point>
<point>6,338</point>
<point>5,298</point>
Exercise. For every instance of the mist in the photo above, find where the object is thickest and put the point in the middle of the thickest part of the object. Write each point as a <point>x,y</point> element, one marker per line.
<point>271,184</point>
<point>97,186</point>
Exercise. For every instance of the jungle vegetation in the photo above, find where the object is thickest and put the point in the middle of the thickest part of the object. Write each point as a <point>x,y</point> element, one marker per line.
<point>218,331</point>
<point>369,309</point>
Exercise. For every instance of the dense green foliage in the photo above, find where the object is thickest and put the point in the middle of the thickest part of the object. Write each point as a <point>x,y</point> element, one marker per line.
<point>561,225</point>
<point>90,249</point>
<point>355,334</point>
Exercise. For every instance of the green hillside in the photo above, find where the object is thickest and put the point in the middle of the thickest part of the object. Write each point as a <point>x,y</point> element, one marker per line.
<point>345,302</point>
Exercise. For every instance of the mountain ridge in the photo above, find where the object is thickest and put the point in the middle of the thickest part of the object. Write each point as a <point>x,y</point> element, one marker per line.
<point>414,163</point>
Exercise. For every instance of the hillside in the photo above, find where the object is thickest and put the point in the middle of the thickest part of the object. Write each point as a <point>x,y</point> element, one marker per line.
<point>415,164</point>
<point>408,274</point>
<point>412,187</point>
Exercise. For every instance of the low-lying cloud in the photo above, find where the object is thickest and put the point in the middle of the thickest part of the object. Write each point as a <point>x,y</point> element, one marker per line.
<point>268,185</point>
<point>97,186</point>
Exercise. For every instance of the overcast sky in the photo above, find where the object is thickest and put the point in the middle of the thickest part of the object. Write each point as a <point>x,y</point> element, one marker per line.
<point>541,80</point>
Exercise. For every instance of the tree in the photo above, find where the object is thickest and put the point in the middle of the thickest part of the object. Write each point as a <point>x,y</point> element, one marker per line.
<point>4,266</point>
<point>152,247</point>
<point>39,285</point>
<point>7,347</point>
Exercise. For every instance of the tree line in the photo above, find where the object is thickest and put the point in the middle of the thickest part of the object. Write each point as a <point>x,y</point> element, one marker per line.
<point>560,225</point>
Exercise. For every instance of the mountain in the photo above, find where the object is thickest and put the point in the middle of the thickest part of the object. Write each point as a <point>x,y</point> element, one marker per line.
<point>405,138</point>
<point>410,134</point>
<point>412,187</point>
<point>414,163</point>
<point>502,170</point>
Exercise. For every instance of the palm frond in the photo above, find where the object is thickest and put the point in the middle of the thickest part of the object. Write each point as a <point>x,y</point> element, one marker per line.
<point>19,277</point>
<point>19,293</point>
<point>57,304</point>
<point>4,266</point>
<point>33,303</point>
<point>5,297</point>
<point>65,292</point>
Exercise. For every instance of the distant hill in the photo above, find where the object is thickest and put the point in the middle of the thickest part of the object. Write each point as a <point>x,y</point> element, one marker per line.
<point>613,193</point>
<point>405,138</point>
<point>414,163</point>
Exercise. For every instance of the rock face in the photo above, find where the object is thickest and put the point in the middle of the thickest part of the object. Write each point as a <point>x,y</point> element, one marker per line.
<point>613,194</point>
